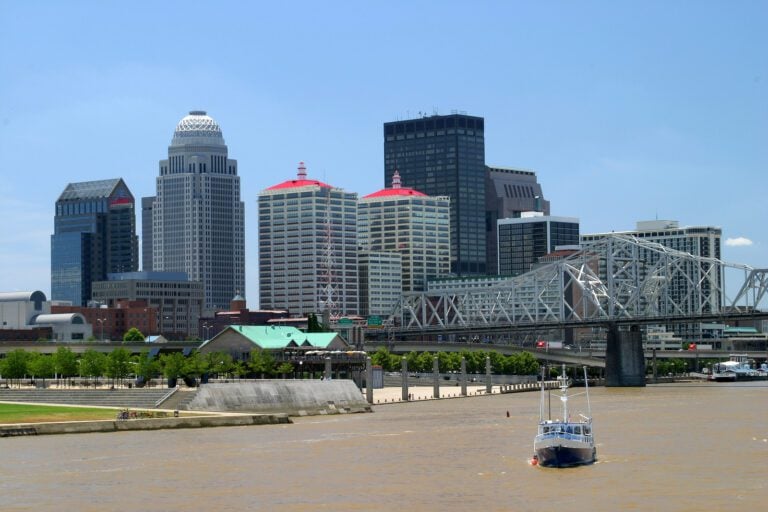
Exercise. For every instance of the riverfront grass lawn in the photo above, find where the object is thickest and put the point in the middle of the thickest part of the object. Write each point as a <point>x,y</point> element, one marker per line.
<point>13,413</point>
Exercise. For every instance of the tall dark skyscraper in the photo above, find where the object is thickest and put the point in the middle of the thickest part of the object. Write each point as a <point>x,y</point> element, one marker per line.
<point>445,156</point>
<point>197,216</point>
<point>94,234</point>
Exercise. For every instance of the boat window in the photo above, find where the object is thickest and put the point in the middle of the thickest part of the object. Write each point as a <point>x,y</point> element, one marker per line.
<point>586,431</point>
<point>577,430</point>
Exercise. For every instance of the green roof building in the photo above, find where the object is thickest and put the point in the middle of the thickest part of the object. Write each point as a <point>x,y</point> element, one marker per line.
<point>240,340</point>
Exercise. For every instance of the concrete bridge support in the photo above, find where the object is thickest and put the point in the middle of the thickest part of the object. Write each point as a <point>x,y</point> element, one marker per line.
<point>436,378</point>
<point>327,370</point>
<point>404,373</point>
<point>368,380</point>
<point>624,360</point>
<point>488,379</point>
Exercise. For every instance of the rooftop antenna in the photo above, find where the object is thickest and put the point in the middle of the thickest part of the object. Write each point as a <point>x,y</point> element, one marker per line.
<point>328,297</point>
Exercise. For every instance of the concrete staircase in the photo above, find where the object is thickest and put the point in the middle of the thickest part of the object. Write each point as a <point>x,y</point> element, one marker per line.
<point>179,400</point>
<point>130,398</point>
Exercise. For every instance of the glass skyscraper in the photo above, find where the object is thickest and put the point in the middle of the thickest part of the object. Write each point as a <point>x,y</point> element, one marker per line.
<point>94,234</point>
<point>197,216</point>
<point>445,156</point>
<point>522,241</point>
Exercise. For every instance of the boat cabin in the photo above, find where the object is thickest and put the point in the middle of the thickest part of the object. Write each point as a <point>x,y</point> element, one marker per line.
<point>565,429</point>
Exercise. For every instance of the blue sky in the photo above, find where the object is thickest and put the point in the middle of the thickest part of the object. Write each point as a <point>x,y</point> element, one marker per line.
<point>627,111</point>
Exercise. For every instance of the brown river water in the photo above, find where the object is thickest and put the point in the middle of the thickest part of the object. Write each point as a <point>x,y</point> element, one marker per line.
<point>677,447</point>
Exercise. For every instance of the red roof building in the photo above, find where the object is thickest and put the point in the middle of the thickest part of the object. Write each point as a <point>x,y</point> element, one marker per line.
<point>308,247</point>
<point>411,223</point>
<point>300,181</point>
<point>397,190</point>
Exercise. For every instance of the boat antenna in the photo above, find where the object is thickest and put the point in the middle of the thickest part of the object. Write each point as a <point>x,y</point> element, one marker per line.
<point>564,388</point>
<point>586,387</point>
<point>541,399</point>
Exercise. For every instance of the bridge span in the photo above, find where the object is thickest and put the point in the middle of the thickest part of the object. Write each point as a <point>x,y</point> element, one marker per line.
<point>619,282</point>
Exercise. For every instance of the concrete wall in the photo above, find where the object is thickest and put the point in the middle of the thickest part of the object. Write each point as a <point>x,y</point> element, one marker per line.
<point>87,427</point>
<point>292,397</point>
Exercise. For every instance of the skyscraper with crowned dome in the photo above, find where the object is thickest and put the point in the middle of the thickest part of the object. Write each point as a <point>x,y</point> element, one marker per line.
<point>197,216</point>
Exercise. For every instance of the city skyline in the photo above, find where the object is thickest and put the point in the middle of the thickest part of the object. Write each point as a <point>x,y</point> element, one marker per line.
<point>624,113</point>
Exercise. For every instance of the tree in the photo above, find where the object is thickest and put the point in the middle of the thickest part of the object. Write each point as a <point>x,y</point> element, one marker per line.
<point>40,365</point>
<point>313,325</point>
<point>261,362</point>
<point>173,365</point>
<point>381,358</point>
<point>14,366</point>
<point>284,369</point>
<point>133,334</point>
<point>447,363</point>
<point>528,364</point>
<point>497,362</point>
<point>413,361</point>
<point>424,362</point>
<point>118,364</point>
<point>65,362</point>
<point>220,363</point>
<point>195,365</point>
<point>92,363</point>
<point>146,367</point>
<point>240,369</point>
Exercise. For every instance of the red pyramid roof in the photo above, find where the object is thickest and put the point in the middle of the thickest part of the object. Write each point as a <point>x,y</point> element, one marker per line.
<point>301,181</point>
<point>396,190</point>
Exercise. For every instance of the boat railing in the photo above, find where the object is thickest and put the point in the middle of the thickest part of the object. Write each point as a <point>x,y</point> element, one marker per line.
<point>584,438</point>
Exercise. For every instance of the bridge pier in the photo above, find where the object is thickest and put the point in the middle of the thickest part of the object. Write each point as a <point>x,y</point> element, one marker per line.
<point>404,374</point>
<point>624,359</point>
<point>369,380</point>
<point>488,379</point>
<point>435,377</point>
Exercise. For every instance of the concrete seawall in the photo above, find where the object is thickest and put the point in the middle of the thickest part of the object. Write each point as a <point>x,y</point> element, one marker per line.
<point>291,397</point>
<point>84,427</point>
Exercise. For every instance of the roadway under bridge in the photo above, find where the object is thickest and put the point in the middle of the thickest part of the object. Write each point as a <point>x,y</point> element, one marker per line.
<point>591,358</point>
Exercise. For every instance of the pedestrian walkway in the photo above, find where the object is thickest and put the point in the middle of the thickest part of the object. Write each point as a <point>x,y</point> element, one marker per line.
<point>394,394</point>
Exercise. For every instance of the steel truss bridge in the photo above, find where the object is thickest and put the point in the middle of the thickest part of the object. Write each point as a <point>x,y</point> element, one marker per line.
<point>619,279</point>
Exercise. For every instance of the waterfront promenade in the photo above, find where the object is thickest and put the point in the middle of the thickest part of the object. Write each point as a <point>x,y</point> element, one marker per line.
<point>394,394</point>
